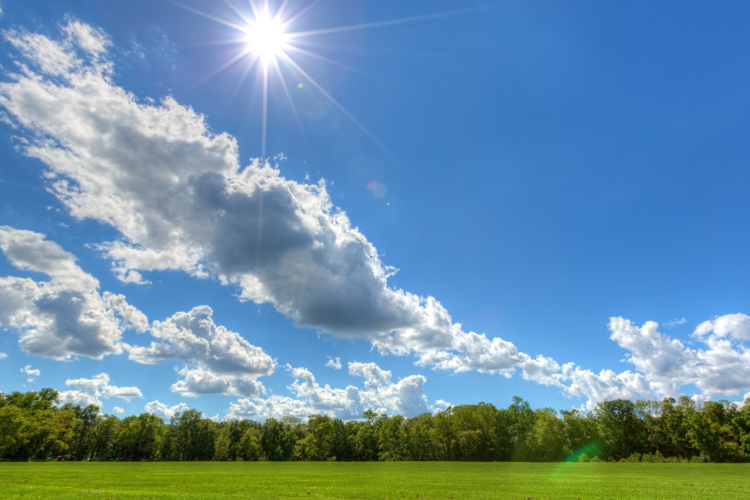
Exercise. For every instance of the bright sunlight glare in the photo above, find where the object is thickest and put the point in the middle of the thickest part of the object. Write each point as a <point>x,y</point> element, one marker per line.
<point>266,38</point>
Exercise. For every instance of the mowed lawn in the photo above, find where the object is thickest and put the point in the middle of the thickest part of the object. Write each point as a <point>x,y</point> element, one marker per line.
<point>400,480</point>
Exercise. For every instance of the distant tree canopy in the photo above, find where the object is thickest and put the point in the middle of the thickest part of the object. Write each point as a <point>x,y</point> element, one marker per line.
<point>34,426</point>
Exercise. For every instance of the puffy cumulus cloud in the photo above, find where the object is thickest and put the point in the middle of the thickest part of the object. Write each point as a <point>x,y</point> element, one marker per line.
<point>334,363</point>
<point>178,196</point>
<point>272,407</point>
<point>605,385</point>
<point>164,411</point>
<point>542,370</point>
<point>721,368</point>
<point>405,397</point>
<point>654,354</point>
<point>81,398</point>
<point>88,391</point>
<point>371,372</point>
<point>736,326</point>
<point>66,316</point>
<point>118,410</point>
<point>219,361</point>
<point>342,403</point>
<point>475,352</point>
<point>197,381</point>
<point>663,365</point>
<point>30,372</point>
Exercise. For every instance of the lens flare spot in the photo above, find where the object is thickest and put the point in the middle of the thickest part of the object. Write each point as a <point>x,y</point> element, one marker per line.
<point>377,189</point>
<point>300,85</point>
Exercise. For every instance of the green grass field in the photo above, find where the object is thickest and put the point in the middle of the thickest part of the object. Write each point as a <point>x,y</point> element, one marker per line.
<point>403,480</point>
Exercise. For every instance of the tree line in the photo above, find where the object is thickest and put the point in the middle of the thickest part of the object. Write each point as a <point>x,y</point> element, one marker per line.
<point>34,427</point>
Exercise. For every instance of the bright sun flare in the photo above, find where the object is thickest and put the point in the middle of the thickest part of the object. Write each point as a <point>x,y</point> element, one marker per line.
<point>266,38</point>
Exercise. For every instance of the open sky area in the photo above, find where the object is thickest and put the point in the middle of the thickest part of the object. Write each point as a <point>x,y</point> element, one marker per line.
<point>299,207</point>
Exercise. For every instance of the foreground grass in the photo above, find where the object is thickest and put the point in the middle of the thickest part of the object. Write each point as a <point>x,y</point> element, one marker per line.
<point>404,480</point>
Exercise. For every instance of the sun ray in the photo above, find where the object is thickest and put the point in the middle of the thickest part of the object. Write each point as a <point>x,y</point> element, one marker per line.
<point>265,111</point>
<point>254,8</point>
<point>301,13</point>
<point>280,12</point>
<point>228,41</point>
<point>324,59</point>
<point>379,24</point>
<point>266,40</point>
<point>238,12</point>
<point>242,79</point>
<point>291,102</point>
<point>334,101</point>
<point>221,68</point>
<point>207,16</point>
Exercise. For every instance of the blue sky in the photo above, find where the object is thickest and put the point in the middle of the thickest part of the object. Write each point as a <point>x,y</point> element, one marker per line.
<point>567,180</point>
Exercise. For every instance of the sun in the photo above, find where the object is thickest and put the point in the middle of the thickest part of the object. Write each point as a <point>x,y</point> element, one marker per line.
<point>266,38</point>
<point>266,44</point>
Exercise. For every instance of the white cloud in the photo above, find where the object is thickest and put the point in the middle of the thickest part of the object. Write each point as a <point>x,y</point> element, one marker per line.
<point>3,356</point>
<point>736,326</point>
<point>723,368</point>
<point>334,363</point>
<point>65,316</point>
<point>118,410</point>
<point>82,398</point>
<point>52,58</point>
<point>31,373</point>
<point>675,322</point>
<point>30,251</point>
<point>88,391</point>
<point>272,407</point>
<point>440,405</point>
<point>164,411</point>
<point>542,370</point>
<point>132,318</point>
<point>371,372</point>
<point>92,40</point>
<point>606,385</point>
<point>656,355</point>
<point>220,361</point>
<point>405,397</point>
<point>343,403</point>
